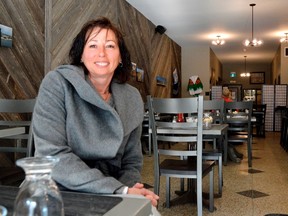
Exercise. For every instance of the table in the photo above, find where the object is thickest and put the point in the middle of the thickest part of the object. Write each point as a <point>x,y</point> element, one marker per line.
<point>76,203</point>
<point>217,130</point>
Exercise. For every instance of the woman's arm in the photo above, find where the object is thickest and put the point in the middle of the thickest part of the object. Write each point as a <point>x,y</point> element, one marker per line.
<point>132,159</point>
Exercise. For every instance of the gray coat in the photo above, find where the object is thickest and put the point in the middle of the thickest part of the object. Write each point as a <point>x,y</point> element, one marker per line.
<point>98,144</point>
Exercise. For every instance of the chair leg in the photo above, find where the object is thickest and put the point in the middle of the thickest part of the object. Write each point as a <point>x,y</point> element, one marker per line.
<point>156,184</point>
<point>182,184</point>
<point>167,192</point>
<point>220,174</point>
<point>211,191</point>
<point>199,196</point>
<point>249,151</point>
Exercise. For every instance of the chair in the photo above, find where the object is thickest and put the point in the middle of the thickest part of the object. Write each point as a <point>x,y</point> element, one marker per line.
<point>15,114</point>
<point>185,162</point>
<point>238,116</point>
<point>146,132</point>
<point>216,107</point>
<point>259,112</point>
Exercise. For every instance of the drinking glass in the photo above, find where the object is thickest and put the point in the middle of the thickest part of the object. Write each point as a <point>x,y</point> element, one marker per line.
<point>3,211</point>
<point>38,194</point>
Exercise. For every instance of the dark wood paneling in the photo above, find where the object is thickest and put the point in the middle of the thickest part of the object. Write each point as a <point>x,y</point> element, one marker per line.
<point>138,36</point>
<point>68,18</point>
<point>21,67</point>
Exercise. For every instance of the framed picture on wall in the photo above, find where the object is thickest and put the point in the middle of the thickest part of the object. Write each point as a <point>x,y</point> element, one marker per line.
<point>5,36</point>
<point>257,77</point>
<point>139,75</point>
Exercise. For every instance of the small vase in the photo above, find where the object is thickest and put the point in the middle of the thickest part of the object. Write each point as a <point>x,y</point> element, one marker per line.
<point>38,194</point>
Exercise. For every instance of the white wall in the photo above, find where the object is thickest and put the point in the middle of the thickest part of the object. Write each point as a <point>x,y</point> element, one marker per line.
<point>195,61</point>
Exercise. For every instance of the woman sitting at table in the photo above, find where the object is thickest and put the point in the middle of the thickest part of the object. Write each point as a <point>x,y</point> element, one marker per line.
<point>90,118</point>
<point>226,95</point>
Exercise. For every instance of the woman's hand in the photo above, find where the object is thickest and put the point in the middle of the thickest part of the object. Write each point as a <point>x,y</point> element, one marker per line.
<point>139,189</point>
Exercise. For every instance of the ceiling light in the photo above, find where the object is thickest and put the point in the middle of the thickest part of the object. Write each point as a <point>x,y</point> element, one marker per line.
<point>218,41</point>
<point>245,74</point>
<point>284,39</point>
<point>253,42</point>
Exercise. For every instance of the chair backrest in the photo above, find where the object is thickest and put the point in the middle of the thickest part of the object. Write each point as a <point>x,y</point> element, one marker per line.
<point>260,108</point>
<point>167,131</point>
<point>216,107</point>
<point>238,108</point>
<point>17,113</point>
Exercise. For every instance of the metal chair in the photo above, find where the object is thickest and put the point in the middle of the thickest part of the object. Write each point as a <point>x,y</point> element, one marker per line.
<point>259,112</point>
<point>146,132</point>
<point>185,162</point>
<point>217,108</point>
<point>238,116</point>
<point>15,114</point>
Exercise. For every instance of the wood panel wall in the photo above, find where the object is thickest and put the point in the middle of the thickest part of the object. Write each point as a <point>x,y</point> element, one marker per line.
<point>43,31</point>
<point>21,67</point>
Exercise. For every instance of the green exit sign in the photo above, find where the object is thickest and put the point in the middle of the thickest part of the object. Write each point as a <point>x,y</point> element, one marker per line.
<point>233,74</point>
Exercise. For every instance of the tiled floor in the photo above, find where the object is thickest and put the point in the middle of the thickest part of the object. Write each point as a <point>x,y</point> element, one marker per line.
<point>258,191</point>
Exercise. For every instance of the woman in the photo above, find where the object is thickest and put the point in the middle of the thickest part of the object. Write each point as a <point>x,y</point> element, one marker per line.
<point>88,116</point>
<point>226,95</point>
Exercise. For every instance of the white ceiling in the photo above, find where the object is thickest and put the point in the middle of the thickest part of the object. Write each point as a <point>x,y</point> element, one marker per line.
<point>198,22</point>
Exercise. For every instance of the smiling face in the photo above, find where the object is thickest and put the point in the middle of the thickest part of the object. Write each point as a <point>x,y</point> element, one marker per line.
<point>101,54</point>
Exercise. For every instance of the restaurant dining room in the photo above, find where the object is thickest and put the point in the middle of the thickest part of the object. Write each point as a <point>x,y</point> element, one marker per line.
<point>199,102</point>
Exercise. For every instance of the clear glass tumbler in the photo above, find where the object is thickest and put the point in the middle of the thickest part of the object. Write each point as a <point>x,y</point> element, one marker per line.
<point>38,194</point>
<point>207,121</point>
<point>3,211</point>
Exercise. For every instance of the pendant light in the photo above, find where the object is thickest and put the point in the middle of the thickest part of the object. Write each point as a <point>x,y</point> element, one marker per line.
<point>245,74</point>
<point>218,41</point>
<point>253,42</point>
<point>284,39</point>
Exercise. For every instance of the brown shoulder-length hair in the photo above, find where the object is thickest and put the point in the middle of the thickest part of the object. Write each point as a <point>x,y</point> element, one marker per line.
<point>123,70</point>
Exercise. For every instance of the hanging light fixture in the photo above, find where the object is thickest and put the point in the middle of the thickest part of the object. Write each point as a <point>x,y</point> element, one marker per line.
<point>245,74</point>
<point>253,42</point>
<point>284,39</point>
<point>218,41</point>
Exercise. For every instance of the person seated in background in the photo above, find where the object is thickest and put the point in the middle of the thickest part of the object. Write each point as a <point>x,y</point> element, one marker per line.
<point>227,95</point>
<point>91,119</point>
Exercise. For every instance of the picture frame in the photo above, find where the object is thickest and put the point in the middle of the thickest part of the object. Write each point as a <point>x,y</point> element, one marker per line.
<point>285,51</point>
<point>257,77</point>
<point>139,74</point>
<point>5,36</point>
<point>162,81</point>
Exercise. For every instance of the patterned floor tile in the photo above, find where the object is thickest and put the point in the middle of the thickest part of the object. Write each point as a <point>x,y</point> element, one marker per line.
<point>252,171</point>
<point>252,194</point>
<point>276,215</point>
